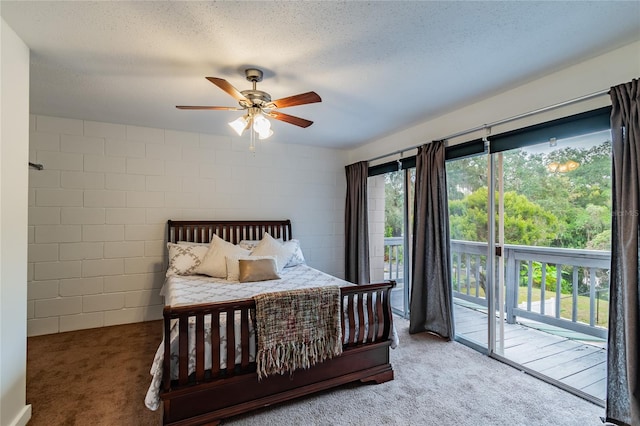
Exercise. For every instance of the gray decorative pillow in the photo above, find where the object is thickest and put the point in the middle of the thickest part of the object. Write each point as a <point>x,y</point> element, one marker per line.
<point>251,270</point>
<point>185,259</point>
<point>297,258</point>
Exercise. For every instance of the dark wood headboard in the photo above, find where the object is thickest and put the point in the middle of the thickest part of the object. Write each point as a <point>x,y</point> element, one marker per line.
<point>201,231</point>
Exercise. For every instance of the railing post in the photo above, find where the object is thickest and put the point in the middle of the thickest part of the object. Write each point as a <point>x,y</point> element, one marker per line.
<point>391,273</point>
<point>592,296</point>
<point>529,283</point>
<point>574,310</point>
<point>512,285</point>
<point>543,288</point>
<point>458,270</point>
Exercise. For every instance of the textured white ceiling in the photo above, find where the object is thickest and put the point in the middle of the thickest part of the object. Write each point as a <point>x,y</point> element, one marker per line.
<point>378,66</point>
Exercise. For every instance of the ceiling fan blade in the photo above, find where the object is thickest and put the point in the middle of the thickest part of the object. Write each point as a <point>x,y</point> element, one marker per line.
<point>301,99</point>
<point>217,108</point>
<point>290,119</point>
<point>227,87</point>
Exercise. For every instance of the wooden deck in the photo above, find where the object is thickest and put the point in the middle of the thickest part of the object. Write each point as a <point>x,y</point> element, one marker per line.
<point>575,360</point>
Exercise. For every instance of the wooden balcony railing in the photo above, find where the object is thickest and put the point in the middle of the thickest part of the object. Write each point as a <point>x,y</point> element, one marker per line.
<point>394,259</point>
<point>567,288</point>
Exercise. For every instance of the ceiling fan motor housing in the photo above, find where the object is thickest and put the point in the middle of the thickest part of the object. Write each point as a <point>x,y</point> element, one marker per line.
<point>256,97</point>
<point>253,74</point>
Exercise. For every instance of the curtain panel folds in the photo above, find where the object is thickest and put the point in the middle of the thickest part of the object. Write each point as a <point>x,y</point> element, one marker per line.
<point>431,293</point>
<point>356,223</point>
<point>623,361</point>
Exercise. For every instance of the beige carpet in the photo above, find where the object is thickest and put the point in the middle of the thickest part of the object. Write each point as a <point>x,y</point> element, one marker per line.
<point>100,377</point>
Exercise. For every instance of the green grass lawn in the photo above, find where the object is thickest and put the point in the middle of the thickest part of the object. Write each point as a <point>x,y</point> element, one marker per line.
<point>566,305</point>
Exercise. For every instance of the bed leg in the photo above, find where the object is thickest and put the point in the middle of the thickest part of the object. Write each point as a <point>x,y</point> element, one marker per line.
<point>379,378</point>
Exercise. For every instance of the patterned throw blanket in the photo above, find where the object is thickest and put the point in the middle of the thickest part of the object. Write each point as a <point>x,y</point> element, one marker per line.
<point>297,329</point>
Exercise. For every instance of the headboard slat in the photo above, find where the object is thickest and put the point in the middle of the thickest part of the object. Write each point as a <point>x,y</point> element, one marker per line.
<point>201,231</point>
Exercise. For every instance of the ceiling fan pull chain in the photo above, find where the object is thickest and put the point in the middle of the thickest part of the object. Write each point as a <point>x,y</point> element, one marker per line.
<point>252,139</point>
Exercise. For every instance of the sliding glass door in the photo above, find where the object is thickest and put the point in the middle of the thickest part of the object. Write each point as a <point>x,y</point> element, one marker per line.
<point>556,215</point>
<point>390,226</point>
<point>530,226</point>
<point>531,284</point>
<point>468,193</point>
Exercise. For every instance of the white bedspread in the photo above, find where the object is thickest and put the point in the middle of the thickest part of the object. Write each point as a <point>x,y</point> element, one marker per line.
<point>191,290</point>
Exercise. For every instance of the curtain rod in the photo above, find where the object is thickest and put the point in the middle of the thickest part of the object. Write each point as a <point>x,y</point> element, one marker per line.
<point>504,120</point>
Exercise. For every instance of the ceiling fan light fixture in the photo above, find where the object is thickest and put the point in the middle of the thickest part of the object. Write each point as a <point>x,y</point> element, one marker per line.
<point>265,135</point>
<point>261,124</point>
<point>239,124</point>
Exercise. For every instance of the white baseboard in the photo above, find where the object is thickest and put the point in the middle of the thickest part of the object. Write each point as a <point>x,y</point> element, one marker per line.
<point>23,417</point>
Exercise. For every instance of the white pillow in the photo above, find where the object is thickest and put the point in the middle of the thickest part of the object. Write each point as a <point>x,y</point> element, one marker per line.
<point>297,258</point>
<point>233,265</point>
<point>214,263</point>
<point>269,246</point>
<point>185,259</point>
<point>251,244</point>
<point>248,244</point>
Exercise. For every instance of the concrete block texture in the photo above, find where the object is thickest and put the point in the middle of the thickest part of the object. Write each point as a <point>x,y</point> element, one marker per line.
<point>98,211</point>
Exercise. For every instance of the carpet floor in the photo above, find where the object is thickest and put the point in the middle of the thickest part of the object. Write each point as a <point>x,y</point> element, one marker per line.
<point>92,377</point>
<point>100,377</point>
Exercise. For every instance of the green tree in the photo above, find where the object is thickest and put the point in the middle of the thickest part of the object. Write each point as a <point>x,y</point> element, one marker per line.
<point>569,209</point>
<point>525,223</point>
<point>394,204</point>
<point>465,176</point>
<point>601,241</point>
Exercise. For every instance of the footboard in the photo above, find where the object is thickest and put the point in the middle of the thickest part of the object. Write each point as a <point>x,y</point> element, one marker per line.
<point>229,387</point>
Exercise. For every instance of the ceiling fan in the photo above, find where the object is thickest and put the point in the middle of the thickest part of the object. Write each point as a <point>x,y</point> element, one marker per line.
<point>258,105</point>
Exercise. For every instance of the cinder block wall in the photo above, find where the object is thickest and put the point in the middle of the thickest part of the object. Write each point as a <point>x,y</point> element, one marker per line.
<point>98,211</point>
<point>376,200</point>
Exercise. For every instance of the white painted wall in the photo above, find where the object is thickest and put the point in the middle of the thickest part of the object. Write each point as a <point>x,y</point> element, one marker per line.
<point>599,73</point>
<point>376,201</point>
<point>98,211</point>
<point>14,137</point>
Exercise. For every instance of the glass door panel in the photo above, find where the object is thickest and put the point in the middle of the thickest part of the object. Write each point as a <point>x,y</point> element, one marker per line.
<point>468,212</point>
<point>556,204</point>
<point>389,196</point>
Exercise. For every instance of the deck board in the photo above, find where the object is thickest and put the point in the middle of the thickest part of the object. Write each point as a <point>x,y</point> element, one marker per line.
<point>598,389</point>
<point>588,376</point>
<point>532,352</point>
<point>573,366</point>
<point>574,363</point>
<point>550,365</point>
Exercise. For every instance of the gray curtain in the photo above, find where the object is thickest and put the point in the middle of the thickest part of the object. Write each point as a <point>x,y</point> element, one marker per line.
<point>623,362</point>
<point>431,293</point>
<point>356,225</point>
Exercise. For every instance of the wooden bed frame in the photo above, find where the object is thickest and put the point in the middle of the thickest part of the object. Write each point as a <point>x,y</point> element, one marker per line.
<point>208,396</point>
